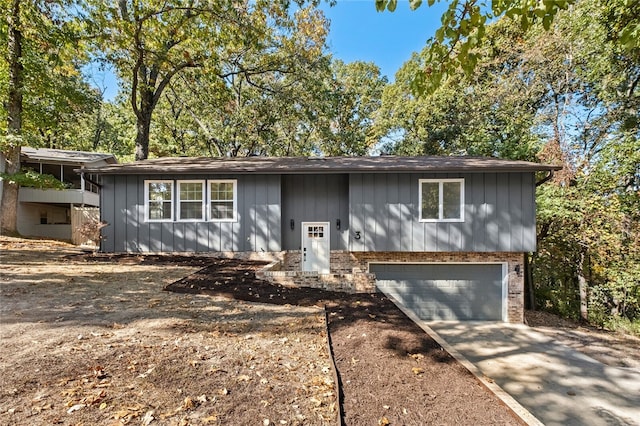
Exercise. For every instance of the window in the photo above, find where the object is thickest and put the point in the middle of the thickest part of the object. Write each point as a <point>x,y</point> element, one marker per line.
<point>222,200</point>
<point>190,200</point>
<point>442,200</point>
<point>193,202</point>
<point>315,231</point>
<point>158,197</point>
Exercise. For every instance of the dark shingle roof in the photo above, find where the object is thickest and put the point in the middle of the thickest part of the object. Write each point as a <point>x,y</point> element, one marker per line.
<point>65,156</point>
<point>294,165</point>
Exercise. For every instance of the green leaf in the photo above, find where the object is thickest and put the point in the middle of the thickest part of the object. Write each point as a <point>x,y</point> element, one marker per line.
<point>391,7</point>
<point>414,4</point>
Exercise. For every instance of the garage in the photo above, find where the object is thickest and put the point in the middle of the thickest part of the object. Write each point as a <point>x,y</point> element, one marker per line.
<point>445,291</point>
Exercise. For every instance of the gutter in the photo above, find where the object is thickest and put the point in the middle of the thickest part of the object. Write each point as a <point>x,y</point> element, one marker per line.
<point>547,178</point>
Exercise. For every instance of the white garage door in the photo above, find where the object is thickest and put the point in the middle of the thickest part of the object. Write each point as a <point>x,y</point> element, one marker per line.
<point>445,291</point>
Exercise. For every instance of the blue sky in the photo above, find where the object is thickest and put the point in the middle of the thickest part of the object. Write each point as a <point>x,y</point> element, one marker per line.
<point>359,33</point>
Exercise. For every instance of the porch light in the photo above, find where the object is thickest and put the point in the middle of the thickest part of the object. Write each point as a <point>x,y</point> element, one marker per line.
<point>292,224</point>
<point>338,224</point>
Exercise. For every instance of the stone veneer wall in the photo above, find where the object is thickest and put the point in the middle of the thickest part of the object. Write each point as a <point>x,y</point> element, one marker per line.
<point>343,275</point>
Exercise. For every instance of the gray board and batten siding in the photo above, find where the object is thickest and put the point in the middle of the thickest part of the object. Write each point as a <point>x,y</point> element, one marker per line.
<point>315,198</point>
<point>499,214</point>
<point>256,230</point>
<point>378,197</point>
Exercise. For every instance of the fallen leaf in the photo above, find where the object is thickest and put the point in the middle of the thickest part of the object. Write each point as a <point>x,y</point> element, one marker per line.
<point>188,403</point>
<point>417,357</point>
<point>148,418</point>
<point>383,421</point>
<point>354,361</point>
<point>315,401</point>
<point>146,373</point>
<point>76,408</point>
<point>417,370</point>
<point>211,419</point>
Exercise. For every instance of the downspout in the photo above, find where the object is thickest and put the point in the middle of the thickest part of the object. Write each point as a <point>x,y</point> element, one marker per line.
<point>545,179</point>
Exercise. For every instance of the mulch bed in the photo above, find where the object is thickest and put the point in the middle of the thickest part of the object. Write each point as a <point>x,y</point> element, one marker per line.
<point>390,371</point>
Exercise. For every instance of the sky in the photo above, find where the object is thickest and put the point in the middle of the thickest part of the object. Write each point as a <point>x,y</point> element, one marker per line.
<point>358,33</point>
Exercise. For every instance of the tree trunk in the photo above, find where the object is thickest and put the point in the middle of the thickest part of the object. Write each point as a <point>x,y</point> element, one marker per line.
<point>11,151</point>
<point>582,288</point>
<point>143,125</point>
<point>142,138</point>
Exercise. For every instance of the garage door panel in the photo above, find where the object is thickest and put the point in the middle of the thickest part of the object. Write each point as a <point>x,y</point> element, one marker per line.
<point>444,291</point>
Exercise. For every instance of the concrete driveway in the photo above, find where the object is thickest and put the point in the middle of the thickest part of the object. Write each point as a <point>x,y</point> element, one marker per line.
<point>557,384</point>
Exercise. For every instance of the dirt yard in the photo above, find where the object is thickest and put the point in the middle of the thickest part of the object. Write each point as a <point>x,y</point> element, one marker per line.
<point>100,343</point>
<point>88,340</point>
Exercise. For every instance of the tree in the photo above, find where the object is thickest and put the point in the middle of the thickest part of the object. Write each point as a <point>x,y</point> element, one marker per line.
<point>150,43</point>
<point>41,85</point>
<point>10,157</point>
<point>587,264</point>
<point>356,93</point>
<point>269,112</point>
<point>492,113</point>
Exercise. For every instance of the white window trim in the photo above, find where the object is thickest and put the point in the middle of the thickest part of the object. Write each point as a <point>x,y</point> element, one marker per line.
<point>440,203</point>
<point>203,202</point>
<point>235,199</point>
<point>146,200</point>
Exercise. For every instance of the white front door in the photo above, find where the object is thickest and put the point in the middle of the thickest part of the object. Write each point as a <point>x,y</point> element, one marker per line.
<point>315,247</point>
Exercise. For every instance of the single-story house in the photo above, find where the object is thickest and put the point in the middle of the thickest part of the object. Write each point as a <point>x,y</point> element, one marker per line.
<point>53,213</point>
<point>446,236</point>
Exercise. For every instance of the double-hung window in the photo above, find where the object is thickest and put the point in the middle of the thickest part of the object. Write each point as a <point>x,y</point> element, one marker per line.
<point>441,200</point>
<point>195,200</point>
<point>190,200</point>
<point>158,197</point>
<point>222,200</point>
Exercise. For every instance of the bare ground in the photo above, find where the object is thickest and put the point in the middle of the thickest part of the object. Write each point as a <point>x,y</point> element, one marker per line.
<point>89,343</point>
<point>94,340</point>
